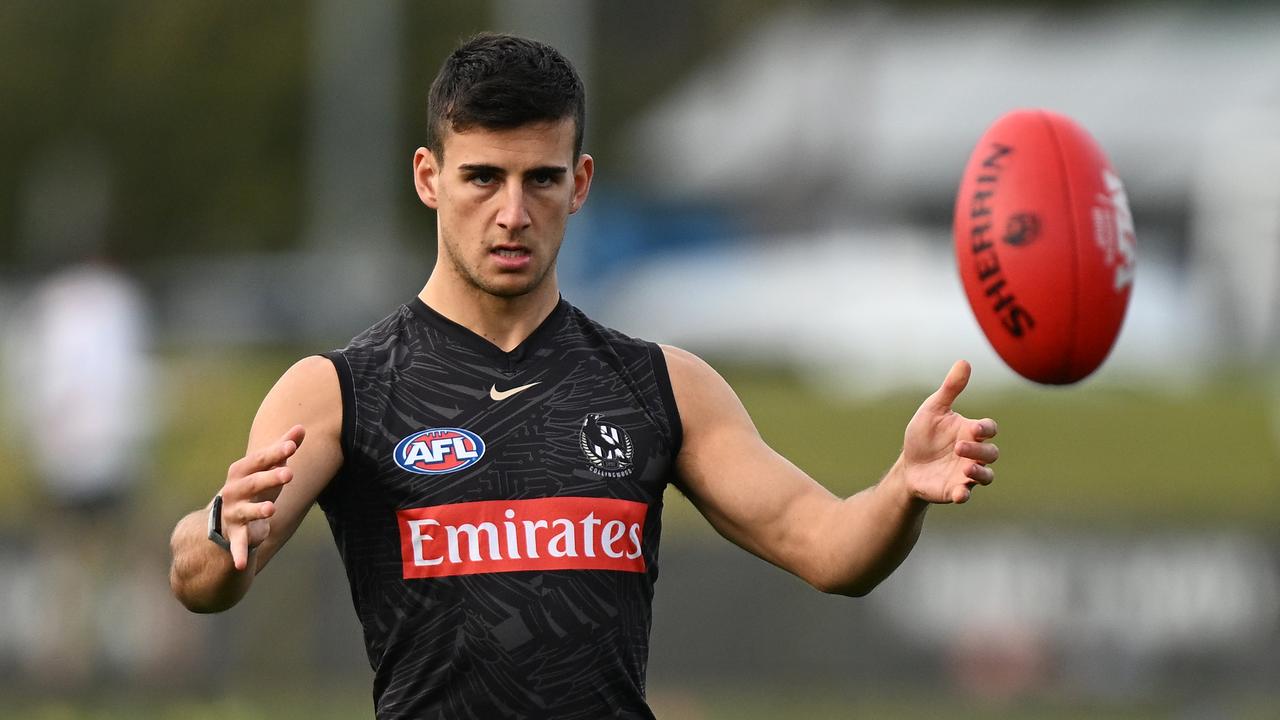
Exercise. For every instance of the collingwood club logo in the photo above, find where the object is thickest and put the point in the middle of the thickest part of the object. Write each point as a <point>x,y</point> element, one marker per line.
<point>608,447</point>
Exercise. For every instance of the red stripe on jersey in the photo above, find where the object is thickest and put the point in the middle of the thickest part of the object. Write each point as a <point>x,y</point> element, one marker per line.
<point>559,533</point>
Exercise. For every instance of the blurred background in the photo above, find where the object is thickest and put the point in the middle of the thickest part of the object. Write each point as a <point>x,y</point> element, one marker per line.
<point>194,194</point>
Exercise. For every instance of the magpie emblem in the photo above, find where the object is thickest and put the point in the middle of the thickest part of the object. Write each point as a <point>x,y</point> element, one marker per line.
<point>607,447</point>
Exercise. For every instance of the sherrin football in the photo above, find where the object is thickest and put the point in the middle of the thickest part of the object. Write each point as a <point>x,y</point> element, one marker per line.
<point>1045,245</point>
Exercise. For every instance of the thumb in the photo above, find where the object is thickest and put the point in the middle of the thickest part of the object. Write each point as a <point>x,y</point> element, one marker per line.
<point>955,382</point>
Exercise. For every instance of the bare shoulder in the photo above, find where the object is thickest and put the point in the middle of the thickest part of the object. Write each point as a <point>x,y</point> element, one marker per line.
<point>311,375</point>
<point>703,397</point>
<point>313,372</point>
<point>688,371</point>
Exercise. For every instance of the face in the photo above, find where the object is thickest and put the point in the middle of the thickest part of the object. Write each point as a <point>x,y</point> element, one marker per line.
<point>502,199</point>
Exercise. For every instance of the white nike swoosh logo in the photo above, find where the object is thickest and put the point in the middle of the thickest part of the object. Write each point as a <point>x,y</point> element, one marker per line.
<point>497,394</point>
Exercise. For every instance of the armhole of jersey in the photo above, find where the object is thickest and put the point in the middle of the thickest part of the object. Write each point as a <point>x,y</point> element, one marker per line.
<point>663,377</point>
<point>347,385</point>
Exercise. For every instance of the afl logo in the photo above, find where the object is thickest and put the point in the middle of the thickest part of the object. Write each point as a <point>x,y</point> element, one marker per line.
<point>436,451</point>
<point>608,447</point>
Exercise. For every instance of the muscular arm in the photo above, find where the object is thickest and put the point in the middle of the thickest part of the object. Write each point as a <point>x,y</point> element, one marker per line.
<point>760,501</point>
<point>294,450</point>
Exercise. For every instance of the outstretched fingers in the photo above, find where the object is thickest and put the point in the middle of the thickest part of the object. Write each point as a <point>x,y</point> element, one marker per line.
<point>266,482</point>
<point>977,474</point>
<point>980,474</point>
<point>270,456</point>
<point>296,434</point>
<point>247,512</point>
<point>240,547</point>
<point>985,429</point>
<point>253,483</point>
<point>983,452</point>
<point>239,519</point>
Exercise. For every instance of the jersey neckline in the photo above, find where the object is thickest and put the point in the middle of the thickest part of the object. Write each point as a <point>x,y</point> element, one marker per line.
<point>466,336</point>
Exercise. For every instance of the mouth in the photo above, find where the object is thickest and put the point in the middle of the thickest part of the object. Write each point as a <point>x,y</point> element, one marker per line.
<point>510,251</point>
<point>511,256</point>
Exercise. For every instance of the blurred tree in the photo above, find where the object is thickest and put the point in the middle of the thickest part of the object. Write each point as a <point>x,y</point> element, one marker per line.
<point>200,106</point>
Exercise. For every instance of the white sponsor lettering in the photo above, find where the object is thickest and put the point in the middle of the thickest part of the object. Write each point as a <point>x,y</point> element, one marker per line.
<point>479,542</point>
<point>563,544</point>
<point>610,534</point>
<point>589,524</point>
<point>473,541</point>
<point>418,537</point>
<point>531,536</point>
<point>633,532</point>
<point>488,536</point>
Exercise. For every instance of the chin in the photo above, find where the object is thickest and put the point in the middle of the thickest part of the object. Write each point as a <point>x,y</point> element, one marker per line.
<point>510,287</point>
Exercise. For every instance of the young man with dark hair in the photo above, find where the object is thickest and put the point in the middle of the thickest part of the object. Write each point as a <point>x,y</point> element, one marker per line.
<point>492,462</point>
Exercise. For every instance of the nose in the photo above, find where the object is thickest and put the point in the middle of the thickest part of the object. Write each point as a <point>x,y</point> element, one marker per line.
<point>514,214</point>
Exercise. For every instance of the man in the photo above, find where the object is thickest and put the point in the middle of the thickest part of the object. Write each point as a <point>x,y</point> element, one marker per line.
<point>492,462</point>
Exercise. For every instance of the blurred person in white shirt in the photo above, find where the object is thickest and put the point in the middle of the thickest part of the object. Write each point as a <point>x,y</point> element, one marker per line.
<point>78,392</point>
<point>79,382</point>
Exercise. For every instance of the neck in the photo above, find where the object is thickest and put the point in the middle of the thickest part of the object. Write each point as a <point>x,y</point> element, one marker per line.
<point>503,321</point>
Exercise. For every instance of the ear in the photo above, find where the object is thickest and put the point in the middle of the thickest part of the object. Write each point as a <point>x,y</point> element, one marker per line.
<point>426,177</point>
<point>582,173</point>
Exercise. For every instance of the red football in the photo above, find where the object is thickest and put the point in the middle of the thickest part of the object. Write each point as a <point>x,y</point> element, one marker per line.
<point>1045,245</point>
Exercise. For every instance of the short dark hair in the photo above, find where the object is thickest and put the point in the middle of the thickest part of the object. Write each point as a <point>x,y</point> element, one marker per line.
<point>500,81</point>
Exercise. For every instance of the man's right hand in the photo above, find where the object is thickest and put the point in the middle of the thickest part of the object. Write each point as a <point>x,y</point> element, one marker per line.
<point>258,511</point>
<point>249,495</point>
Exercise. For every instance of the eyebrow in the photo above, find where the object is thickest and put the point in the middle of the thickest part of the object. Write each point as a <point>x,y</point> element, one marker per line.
<point>482,168</point>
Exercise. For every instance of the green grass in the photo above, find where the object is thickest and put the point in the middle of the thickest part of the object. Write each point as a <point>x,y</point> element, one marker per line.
<point>326,705</point>
<point>1093,455</point>
<point>719,703</point>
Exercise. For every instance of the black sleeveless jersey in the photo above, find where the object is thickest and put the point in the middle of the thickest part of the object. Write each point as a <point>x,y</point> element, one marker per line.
<point>498,514</point>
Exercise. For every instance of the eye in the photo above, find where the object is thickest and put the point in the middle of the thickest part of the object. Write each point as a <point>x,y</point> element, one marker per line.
<point>543,179</point>
<point>483,179</point>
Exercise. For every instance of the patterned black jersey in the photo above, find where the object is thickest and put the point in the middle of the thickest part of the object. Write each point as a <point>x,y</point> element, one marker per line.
<point>498,514</point>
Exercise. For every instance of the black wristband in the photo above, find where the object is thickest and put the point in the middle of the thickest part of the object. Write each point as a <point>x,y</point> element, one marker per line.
<point>215,524</point>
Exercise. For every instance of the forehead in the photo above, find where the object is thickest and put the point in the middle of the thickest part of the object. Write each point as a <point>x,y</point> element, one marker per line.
<point>533,144</point>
